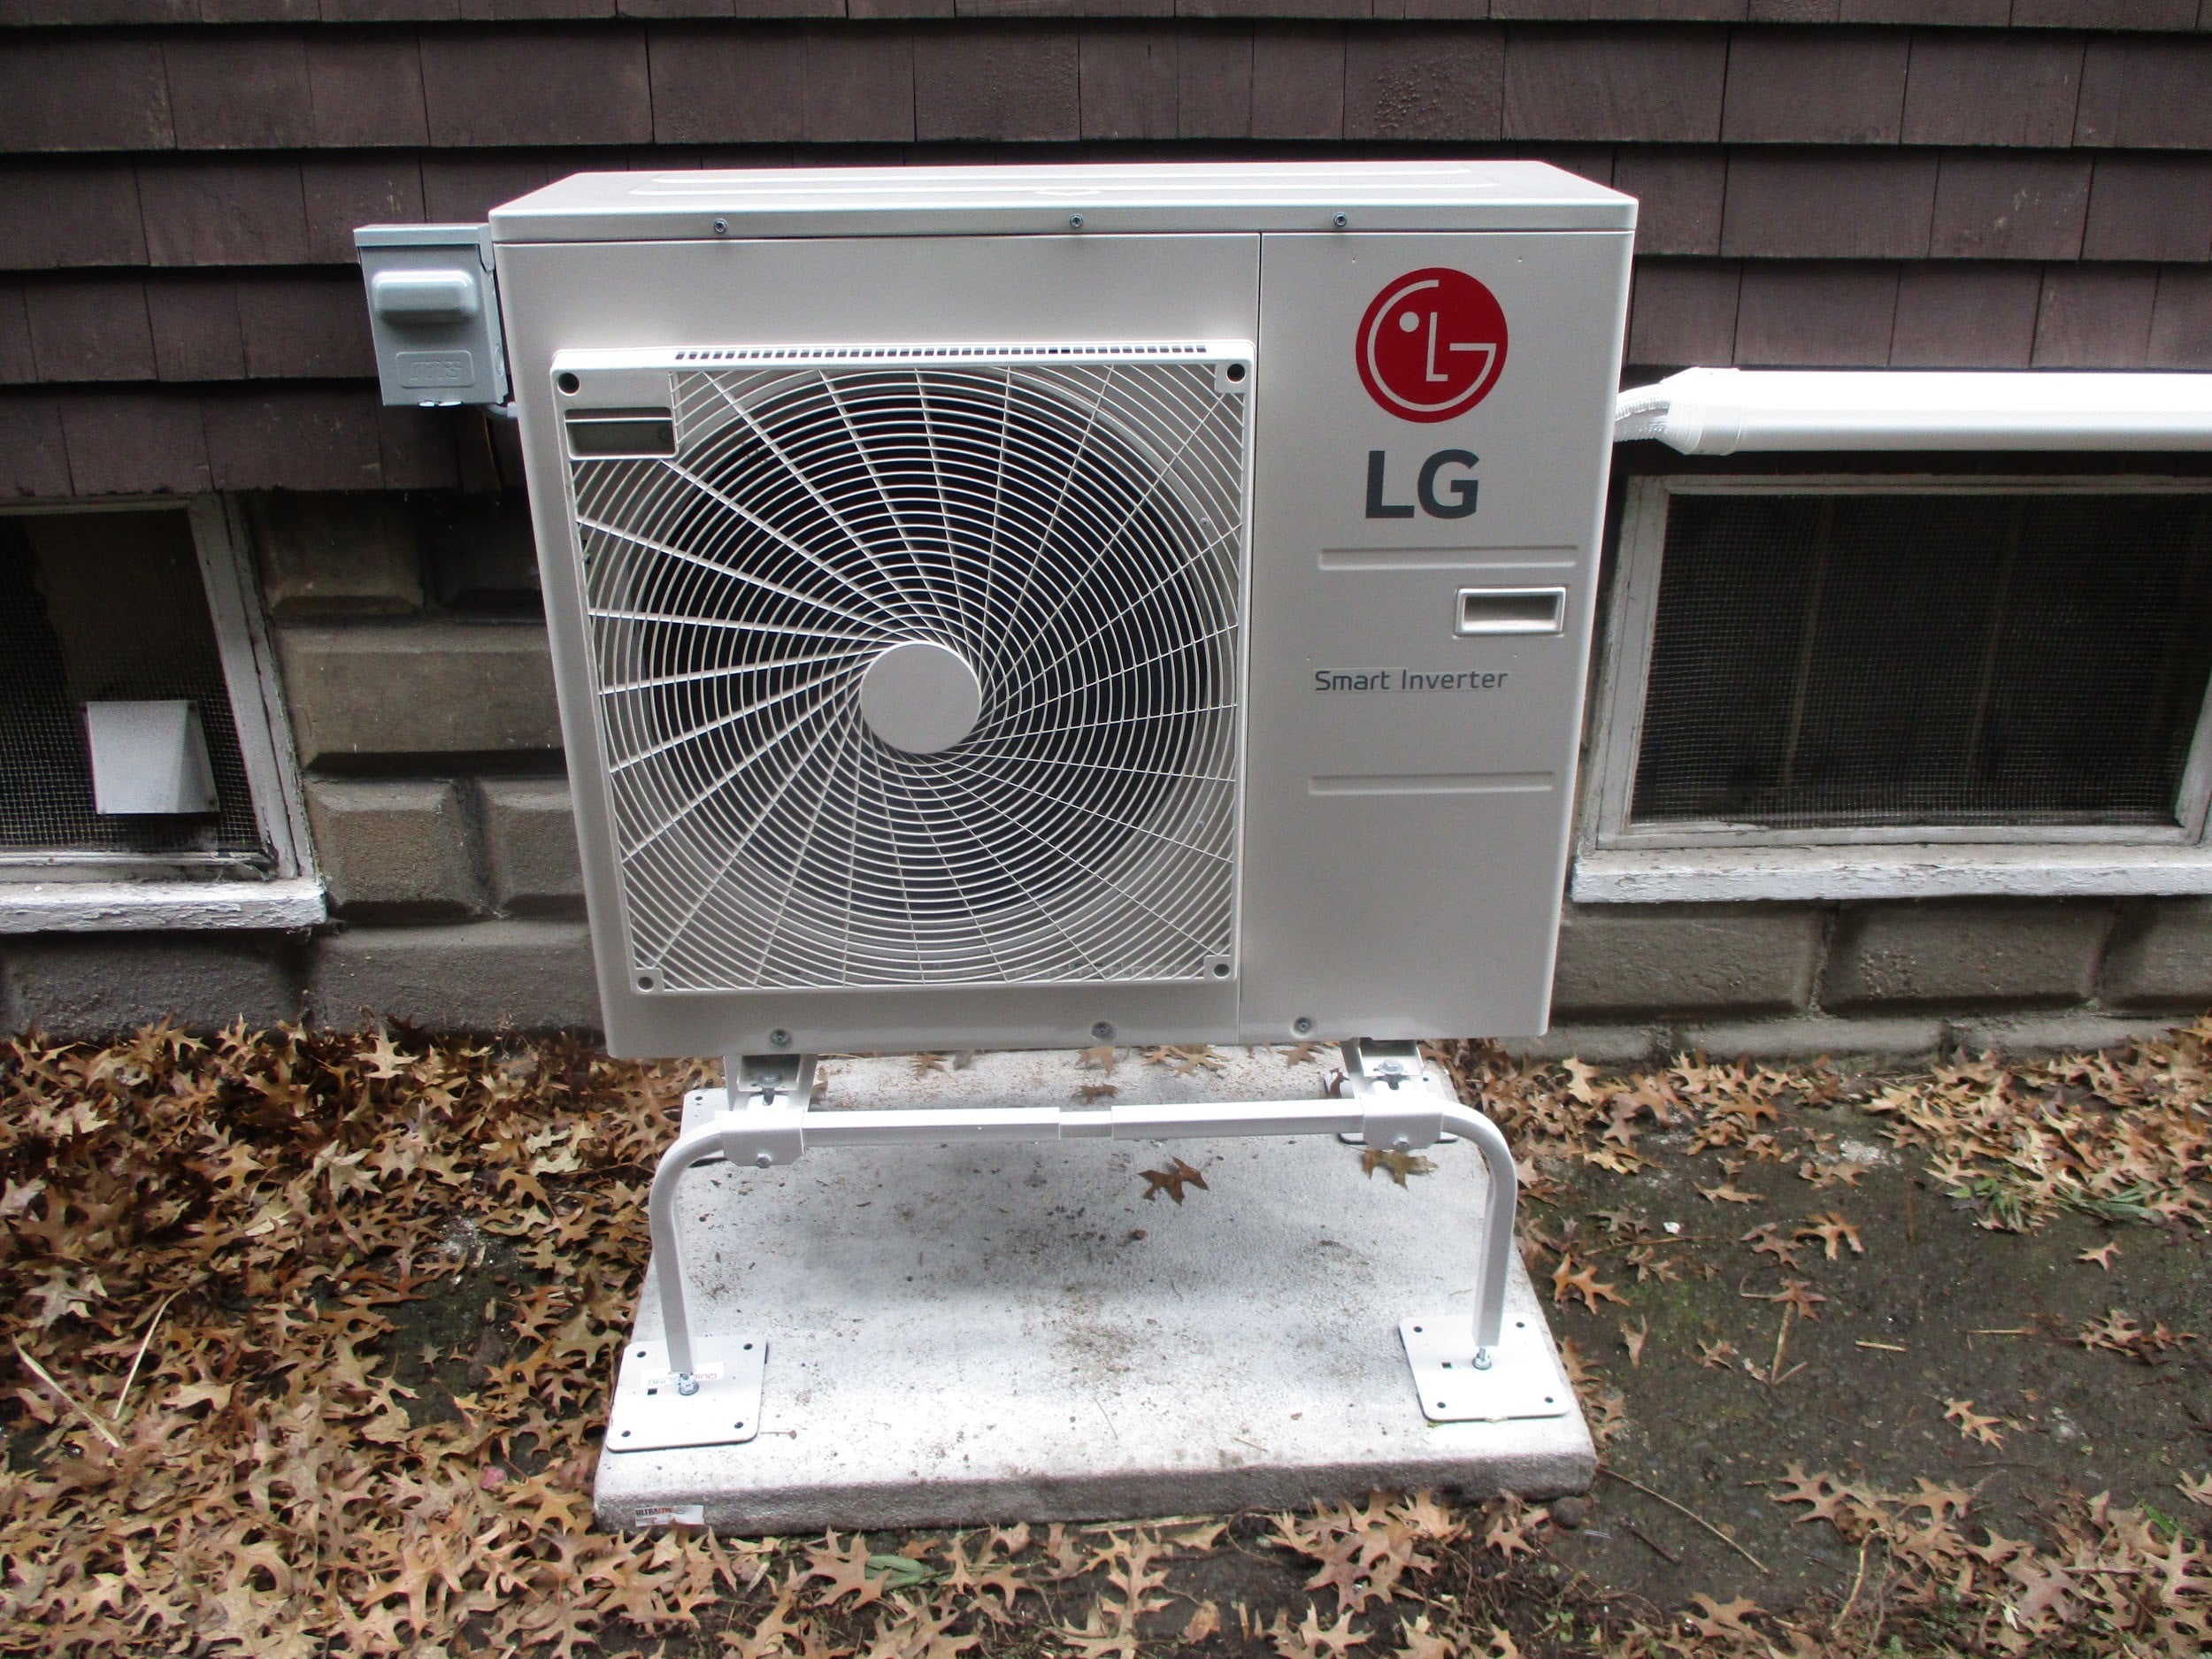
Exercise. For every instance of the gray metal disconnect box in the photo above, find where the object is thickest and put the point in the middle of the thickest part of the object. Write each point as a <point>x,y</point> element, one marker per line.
<point>434,311</point>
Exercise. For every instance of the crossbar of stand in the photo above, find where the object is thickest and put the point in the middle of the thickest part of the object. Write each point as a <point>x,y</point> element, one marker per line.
<point>683,1391</point>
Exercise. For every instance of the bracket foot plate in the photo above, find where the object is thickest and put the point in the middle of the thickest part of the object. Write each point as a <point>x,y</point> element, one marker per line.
<point>648,1414</point>
<point>1522,1380</point>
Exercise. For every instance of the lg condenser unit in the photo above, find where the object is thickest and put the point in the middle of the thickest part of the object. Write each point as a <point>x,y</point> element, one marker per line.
<point>1035,606</point>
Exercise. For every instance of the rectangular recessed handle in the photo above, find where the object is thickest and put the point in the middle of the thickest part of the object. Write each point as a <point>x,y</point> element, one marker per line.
<point>1512,610</point>
<point>617,433</point>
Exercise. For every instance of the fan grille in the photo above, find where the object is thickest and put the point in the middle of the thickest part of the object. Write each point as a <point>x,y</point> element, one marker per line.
<point>1073,530</point>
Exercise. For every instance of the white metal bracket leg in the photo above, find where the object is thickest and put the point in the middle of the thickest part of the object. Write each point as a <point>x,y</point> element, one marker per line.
<point>690,1390</point>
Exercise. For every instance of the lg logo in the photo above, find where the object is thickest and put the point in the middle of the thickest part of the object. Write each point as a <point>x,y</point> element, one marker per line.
<point>1432,344</point>
<point>1426,484</point>
<point>1430,347</point>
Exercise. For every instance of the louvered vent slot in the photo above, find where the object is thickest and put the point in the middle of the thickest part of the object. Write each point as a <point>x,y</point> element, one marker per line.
<point>923,673</point>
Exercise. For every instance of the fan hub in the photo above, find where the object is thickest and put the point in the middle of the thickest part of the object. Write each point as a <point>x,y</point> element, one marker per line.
<point>920,696</point>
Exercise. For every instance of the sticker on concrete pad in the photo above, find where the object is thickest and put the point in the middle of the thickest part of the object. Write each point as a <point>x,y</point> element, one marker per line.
<point>674,1515</point>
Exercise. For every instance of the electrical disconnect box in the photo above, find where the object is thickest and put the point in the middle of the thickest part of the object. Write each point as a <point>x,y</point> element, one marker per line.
<point>433,313</point>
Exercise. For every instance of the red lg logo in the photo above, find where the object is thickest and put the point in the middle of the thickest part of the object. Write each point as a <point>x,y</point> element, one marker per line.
<point>1432,345</point>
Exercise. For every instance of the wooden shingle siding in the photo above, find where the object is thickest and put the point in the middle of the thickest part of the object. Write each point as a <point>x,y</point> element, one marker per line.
<point>1648,86</point>
<point>2010,205</point>
<point>625,82</point>
<point>2153,16</point>
<point>1992,89</point>
<point>1795,86</point>
<point>1965,317</point>
<point>1918,183</point>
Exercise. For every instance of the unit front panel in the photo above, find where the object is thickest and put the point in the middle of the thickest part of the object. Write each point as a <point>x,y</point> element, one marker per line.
<point>896,590</point>
<point>1433,435</point>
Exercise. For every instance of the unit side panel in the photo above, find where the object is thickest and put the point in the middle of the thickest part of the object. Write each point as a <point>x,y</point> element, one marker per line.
<point>1407,784</point>
<point>978,290</point>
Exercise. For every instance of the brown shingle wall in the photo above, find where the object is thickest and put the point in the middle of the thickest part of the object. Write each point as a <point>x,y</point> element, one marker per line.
<point>1923,183</point>
<point>2155,16</point>
<point>634,82</point>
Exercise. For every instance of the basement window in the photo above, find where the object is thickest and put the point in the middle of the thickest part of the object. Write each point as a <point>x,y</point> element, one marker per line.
<point>1889,687</point>
<point>146,779</point>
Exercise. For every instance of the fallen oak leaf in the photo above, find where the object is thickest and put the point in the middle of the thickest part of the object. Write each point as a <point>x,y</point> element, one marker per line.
<point>1971,1424</point>
<point>2102,1257</point>
<point>1724,1620</point>
<point>2196,1488</point>
<point>1633,1341</point>
<point>1727,1192</point>
<point>1833,1231</point>
<point>1091,1093</point>
<point>846,1569</point>
<point>1774,1238</point>
<point>1796,1293</point>
<point>1172,1181</point>
<point>1309,1639</point>
<point>1510,1530</point>
<point>1566,1282</point>
<point>1417,1640</point>
<point>1399,1164</point>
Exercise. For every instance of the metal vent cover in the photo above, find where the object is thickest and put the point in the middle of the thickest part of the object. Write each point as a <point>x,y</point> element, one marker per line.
<point>1070,526</point>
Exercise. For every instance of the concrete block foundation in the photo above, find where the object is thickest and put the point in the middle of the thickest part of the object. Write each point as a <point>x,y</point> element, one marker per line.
<point>1963,955</point>
<point>482,976</point>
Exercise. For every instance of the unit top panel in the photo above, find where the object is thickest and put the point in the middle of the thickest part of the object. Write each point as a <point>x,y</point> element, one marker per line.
<point>1369,195</point>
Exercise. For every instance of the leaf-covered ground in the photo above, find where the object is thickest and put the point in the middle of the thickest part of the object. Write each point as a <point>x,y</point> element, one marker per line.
<point>309,1338</point>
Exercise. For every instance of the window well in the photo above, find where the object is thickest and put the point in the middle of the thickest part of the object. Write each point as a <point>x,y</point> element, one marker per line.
<point>106,611</point>
<point>1890,657</point>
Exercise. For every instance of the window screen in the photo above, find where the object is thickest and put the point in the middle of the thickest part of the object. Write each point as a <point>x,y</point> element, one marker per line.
<point>1926,658</point>
<point>101,606</point>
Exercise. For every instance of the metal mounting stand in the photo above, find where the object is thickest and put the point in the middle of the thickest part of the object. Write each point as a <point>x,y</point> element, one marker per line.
<point>685,1390</point>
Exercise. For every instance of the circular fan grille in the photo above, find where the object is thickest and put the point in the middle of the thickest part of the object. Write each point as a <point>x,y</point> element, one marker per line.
<point>1073,532</point>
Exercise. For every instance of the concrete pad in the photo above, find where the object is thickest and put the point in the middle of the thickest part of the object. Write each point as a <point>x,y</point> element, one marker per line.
<point>1012,1332</point>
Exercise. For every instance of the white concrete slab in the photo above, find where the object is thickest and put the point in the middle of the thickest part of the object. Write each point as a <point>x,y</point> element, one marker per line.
<point>1013,1331</point>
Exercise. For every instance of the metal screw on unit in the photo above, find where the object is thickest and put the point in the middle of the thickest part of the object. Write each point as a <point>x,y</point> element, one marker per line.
<point>779,1038</point>
<point>1402,1145</point>
<point>685,1383</point>
<point>1302,1026</point>
<point>763,1161</point>
<point>1482,1359</point>
<point>1342,220</point>
<point>721,226</point>
<point>1103,1031</point>
<point>1075,221</point>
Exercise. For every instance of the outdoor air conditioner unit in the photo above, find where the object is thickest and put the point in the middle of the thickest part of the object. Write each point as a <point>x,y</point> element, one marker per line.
<point>1020,607</point>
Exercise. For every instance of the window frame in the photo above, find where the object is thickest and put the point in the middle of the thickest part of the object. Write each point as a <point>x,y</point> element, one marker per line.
<point>72,891</point>
<point>1619,861</point>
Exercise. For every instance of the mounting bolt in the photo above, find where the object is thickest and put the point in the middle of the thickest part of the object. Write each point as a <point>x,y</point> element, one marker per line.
<point>721,226</point>
<point>1075,221</point>
<point>1482,1359</point>
<point>685,1383</point>
<point>1402,1145</point>
<point>1302,1025</point>
<point>779,1038</point>
<point>1104,1030</point>
<point>1342,220</point>
<point>763,1161</point>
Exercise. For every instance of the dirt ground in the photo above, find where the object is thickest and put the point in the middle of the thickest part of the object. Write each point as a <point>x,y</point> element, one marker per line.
<point>311,1340</point>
